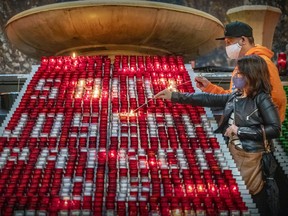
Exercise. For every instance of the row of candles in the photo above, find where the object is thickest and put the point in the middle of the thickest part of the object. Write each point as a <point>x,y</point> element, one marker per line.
<point>57,123</point>
<point>56,66</point>
<point>148,170</point>
<point>81,82</point>
<point>7,156</point>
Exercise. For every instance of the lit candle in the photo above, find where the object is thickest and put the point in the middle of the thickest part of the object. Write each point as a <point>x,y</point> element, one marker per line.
<point>96,92</point>
<point>131,113</point>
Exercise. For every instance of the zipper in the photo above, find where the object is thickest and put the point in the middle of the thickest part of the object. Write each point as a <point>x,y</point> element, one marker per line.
<point>247,117</point>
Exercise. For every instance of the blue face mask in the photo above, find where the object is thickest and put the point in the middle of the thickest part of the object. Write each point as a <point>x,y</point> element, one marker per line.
<point>239,82</point>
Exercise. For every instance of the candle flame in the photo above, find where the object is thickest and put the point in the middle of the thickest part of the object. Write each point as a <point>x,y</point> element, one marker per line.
<point>189,189</point>
<point>77,96</point>
<point>96,93</point>
<point>172,82</point>
<point>81,82</point>
<point>172,88</point>
<point>162,80</point>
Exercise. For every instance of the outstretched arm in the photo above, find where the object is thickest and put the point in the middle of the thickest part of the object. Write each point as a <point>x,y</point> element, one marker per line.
<point>197,99</point>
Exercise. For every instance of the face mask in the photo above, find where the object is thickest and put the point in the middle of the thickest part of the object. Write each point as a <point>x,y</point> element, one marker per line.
<point>239,82</point>
<point>233,50</point>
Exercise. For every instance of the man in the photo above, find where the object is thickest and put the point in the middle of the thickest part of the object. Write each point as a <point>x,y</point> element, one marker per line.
<point>239,41</point>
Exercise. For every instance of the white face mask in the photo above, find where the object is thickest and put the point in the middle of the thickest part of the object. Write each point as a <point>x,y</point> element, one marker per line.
<point>233,50</point>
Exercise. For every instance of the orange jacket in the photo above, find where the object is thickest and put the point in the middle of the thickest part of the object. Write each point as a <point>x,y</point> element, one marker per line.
<point>278,93</point>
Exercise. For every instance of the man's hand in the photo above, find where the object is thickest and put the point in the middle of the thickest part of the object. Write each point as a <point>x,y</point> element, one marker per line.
<point>165,94</point>
<point>201,82</point>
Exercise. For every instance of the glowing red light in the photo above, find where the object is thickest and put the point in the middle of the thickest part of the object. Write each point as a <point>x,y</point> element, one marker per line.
<point>165,67</point>
<point>189,189</point>
<point>152,163</point>
<point>234,188</point>
<point>112,154</point>
<point>59,61</point>
<point>104,94</point>
<point>212,189</point>
<point>200,188</point>
<point>65,203</point>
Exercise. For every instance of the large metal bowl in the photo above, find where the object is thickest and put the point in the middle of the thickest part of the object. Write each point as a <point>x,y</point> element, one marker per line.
<point>114,27</point>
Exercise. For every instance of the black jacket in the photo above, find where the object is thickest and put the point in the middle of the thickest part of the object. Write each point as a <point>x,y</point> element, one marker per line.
<point>250,114</point>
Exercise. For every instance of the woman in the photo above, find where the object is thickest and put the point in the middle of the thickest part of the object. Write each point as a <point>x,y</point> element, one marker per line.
<point>247,113</point>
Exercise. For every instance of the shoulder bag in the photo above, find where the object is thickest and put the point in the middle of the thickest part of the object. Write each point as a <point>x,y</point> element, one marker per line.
<point>269,169</point>
<point>250,167</point>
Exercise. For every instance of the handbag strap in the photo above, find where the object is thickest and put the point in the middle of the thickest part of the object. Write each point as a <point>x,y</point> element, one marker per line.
<point>266,143</point>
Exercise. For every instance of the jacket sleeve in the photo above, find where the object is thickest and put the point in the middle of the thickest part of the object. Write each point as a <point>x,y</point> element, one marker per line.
<point>278,94</point>
<point>271,122</point>
<point>200,99</point>
<point>212,88</point>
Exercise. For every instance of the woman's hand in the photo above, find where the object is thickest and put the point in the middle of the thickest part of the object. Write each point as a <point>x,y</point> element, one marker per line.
<point>231,131</point>
<point>165,94</point>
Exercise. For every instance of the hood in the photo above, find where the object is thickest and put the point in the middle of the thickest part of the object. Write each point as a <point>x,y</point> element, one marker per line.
<point>260,50</point>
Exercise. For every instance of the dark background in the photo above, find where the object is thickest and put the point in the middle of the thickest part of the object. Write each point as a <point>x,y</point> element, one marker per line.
<point>13,61</point>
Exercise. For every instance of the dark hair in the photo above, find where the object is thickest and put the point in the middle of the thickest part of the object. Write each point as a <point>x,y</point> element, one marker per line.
<point>251,40</point>
<point>255,70</point>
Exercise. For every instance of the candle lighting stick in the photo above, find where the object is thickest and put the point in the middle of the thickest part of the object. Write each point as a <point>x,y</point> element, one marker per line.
<point>142,105</point>
<point>169,87</point>
<point>182,83</point>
